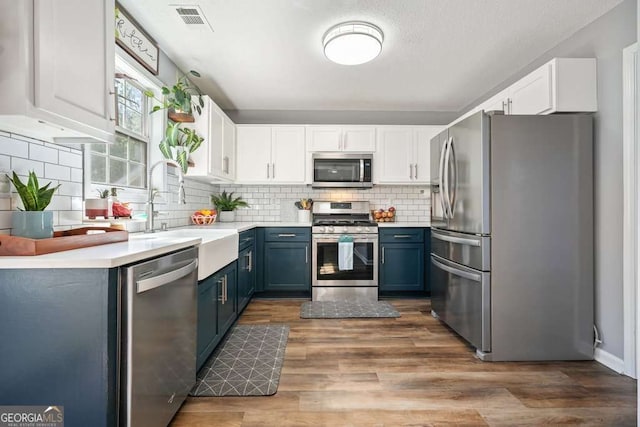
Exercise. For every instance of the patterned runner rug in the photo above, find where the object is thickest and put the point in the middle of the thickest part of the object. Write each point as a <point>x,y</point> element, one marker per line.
<point>346,309</point>
<point>247,363</point>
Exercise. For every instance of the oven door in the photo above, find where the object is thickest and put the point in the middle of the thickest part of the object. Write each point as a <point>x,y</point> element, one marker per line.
<point>325,262</point>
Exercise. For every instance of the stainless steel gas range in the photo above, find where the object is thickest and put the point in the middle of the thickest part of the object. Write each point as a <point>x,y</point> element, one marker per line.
<point>351,222</point>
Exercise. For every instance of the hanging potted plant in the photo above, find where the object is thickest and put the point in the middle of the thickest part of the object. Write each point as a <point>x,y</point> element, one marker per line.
<point>179,100</point>
<point>226,205</point>
<point>32,221</point>
<point>178,143</point>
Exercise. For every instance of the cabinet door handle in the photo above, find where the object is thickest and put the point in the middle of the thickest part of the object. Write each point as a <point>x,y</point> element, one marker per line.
<point>382,254</point>
<point>306,254</point>
<point>221,283</point>
<point>250,261</point>
<point>509,106</point>
<point>287,235</point>
<point>415,169</point>
<point>267,170</point>
<point>410,170</point>
<point>226,164</point>
<point>273,170</point>
<point>401,236</point>
<point>226,289</point>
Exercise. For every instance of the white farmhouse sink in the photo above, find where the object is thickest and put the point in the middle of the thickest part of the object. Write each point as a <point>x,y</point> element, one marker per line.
<point>218,247</point>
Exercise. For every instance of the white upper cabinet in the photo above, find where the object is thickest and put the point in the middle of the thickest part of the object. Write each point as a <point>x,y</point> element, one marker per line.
<point>57,62</point>
<point>562,85</point>
<point>215,159</point>
<point>270,154</point>
<point>341,138</point>
<point>403,154</point>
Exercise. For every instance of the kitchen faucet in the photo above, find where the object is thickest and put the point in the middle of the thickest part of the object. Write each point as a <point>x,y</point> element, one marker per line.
<point>181,196</point>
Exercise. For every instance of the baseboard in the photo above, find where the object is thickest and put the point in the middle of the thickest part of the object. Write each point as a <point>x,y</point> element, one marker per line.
<point>609,360</point>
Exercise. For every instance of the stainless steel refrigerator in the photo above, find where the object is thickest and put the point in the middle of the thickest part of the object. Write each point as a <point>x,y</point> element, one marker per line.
<point>512,235</point>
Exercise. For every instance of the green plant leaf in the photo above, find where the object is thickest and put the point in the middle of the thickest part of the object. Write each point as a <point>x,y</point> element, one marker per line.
<point>165,149</point>
<point>149,93</point>
<point>183,160</point>
<point>33,197</point>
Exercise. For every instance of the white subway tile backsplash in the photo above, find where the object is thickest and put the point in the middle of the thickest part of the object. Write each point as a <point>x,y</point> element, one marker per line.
<point>76,175</point>
<point>69,217</point>
<point>5,163</point>
<point>57,172</point>
<point>13,147</point>
<point>69,188</point>
<point>5,219</point>
<point>24,166</point>
<point>43,154</point>
<point>70,159</point>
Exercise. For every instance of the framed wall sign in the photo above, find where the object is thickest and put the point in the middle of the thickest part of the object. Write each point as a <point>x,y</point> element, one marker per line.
<point>132,38</point>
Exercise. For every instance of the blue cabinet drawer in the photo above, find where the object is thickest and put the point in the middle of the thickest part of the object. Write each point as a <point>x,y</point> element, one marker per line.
<point>287,234</point>
<point>246,239</point>
<point>401,235</point>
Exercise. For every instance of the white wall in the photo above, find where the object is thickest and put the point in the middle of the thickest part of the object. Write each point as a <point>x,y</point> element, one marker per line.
<point>604,39</point>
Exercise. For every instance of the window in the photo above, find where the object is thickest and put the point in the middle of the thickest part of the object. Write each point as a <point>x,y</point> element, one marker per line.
<point>124,163</point>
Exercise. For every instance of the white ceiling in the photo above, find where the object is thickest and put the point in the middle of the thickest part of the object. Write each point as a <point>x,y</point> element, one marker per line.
<point>438,55</point>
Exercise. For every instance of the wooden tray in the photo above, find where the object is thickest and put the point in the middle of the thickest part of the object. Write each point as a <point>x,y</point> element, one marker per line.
<point>61,241</point>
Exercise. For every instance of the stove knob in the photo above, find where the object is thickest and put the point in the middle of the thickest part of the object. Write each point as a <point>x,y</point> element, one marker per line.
<point>329,229</point>
<point>359,229</point>
<point>345,229</point>
<point>367,229</point>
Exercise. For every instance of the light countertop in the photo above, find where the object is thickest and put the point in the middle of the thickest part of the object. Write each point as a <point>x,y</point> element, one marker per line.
<point>103,256</point>
<point>243,226</point>
<point>142,246</point>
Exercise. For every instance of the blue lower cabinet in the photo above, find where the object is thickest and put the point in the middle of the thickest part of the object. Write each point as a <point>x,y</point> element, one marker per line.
<point>246,276</point>
<point>401,267</point>
<point>227,301</point>
<point>217,310</point>
<point>287,266</point>
<point>402,260</point>
<point>427,260</point>
<point>59,330</point>
<point>208,336</point>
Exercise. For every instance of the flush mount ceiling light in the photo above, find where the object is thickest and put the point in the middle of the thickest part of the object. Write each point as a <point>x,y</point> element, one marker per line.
<point>352,43</point>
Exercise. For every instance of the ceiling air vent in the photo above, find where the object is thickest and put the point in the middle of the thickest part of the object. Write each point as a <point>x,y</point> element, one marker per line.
<point>192,15</point>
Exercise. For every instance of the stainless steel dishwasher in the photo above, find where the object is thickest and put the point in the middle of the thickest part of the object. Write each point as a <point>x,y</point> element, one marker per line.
<point>158,338</point>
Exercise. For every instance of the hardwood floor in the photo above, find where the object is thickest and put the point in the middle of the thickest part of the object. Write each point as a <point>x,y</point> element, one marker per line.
<point>410,371</point>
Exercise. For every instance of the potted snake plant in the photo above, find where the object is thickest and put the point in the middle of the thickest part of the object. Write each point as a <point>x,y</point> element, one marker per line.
<point>32,220</point>
<point>227,204</point>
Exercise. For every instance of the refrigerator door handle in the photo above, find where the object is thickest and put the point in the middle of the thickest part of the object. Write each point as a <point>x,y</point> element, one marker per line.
<point>446,192</point>
<point>441,180</point>
<point>452,239</point>
<point>453,189</point>
<point>457,272</point>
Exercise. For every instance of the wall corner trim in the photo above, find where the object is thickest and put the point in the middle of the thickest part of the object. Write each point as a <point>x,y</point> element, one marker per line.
<point>609,360</point>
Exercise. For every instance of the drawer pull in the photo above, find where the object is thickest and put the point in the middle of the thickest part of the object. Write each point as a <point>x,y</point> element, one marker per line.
<point>401,236</point>
<point>287,235</point>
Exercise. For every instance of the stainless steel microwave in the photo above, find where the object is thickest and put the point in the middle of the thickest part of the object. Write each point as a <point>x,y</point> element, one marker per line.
<point>342,170</point>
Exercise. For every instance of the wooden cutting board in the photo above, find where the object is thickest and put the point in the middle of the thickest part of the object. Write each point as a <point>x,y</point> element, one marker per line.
<point>61,241</point>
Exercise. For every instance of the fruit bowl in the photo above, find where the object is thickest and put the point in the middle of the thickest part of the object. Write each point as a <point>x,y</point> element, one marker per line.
<point>203,219</point>
<point>384,215</point>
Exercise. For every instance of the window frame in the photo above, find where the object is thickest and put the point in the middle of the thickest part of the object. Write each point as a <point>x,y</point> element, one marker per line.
<point>156,124</point>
